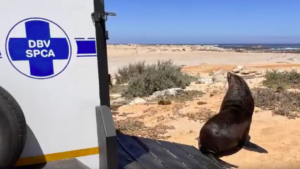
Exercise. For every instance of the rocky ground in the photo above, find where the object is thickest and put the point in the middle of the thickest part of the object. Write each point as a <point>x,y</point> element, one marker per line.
<point>177,115</point>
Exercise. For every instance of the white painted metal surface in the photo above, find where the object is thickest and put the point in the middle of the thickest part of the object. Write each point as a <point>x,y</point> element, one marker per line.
<point>59,91</point>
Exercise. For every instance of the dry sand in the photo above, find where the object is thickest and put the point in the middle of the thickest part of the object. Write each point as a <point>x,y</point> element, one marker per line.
<point>278,135</point>
<point>121,55</point>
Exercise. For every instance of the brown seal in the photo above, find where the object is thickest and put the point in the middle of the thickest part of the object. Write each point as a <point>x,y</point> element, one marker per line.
<point>230,127</point>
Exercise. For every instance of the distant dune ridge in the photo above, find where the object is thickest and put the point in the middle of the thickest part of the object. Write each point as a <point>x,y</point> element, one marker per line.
<point>193,55</point>
<point>266,48</point>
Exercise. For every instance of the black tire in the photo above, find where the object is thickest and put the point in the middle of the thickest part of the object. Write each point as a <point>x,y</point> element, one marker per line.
<point>12,130</point>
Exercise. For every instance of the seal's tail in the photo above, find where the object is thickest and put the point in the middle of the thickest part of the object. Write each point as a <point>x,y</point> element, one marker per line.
<point>253,147</point>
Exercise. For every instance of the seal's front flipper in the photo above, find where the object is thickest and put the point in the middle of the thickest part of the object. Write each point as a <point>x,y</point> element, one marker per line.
<point>221,163</point>
<point>253,147</point>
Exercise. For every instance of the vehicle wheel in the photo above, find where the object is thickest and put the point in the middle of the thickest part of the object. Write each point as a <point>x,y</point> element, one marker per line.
<point>12,130</point>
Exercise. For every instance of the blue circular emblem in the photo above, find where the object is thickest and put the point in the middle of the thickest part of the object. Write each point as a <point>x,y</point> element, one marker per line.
<point>38,48</point>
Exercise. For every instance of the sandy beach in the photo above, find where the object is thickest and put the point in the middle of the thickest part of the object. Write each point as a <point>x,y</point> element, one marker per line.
<point>279,135</point>
<point>121,55</point>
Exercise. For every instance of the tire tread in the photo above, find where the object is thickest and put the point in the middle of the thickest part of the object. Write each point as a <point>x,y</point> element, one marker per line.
<point>15,111</point>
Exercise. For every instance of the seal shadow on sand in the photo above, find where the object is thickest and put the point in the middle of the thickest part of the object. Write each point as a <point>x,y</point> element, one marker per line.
<point>248,146</point>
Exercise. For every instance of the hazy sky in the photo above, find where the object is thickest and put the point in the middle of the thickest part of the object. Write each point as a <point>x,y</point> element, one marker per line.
<point>204,21</point>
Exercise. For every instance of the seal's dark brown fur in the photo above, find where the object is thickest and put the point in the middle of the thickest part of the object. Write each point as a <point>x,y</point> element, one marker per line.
<point>230,127</point>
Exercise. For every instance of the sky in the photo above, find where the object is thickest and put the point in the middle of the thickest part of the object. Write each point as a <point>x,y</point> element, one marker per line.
<point>203,21</point>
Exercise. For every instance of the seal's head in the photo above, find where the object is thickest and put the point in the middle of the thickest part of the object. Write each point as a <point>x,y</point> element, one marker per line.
<point>229,75</point>
<point>235,79</point>
<point>238,92</point>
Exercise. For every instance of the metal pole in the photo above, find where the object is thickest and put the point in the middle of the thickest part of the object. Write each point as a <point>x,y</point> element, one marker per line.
<point>101,36</point>
<point>107,140</point>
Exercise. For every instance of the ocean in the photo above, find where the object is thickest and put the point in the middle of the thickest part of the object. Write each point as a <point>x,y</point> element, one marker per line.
<point>294,48</point>
<point>281,47</point>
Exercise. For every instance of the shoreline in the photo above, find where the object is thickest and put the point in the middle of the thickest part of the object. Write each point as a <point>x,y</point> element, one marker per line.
<point>217,48</point>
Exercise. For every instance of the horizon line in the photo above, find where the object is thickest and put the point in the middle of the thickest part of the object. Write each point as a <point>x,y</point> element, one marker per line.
<point>291,43</point>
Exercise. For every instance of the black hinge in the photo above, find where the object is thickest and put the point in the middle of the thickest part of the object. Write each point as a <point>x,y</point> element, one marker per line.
<point>97,17</point>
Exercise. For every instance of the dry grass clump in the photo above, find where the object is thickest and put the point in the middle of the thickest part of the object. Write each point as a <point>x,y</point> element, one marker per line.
<point>117,89</point>
<point>132,126</point>
<point>281,102</point>
<point>181,96</point>
<point>143,80</point>
<point>203,115</point>
<point>125,73</point>
<point>284,79</point>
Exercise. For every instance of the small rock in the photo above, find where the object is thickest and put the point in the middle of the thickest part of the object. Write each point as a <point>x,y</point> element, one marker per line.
<point>253,71</point>
<point>236,70</point>
<point>116,95</point>
<point>249,76</point>
<point>119,101</point>
<point>172,91</point>
<point>219,78</point>
<point>164,102</point>
<point>245,72</point>
<point>241,50</point>
<point>137,100</point>
<point>114,81</point>
<point>292,59</point>
<point>294,69</point>
<point>204,81</point>
<point>211,73</point>
<point>280,71</point>
<point>152,97</point>
<point>201,102</point>
<point>115,104</point>
<point>213,93</point>
<point>159,93</point>
<point>259,73</point>
<point>239,67</point>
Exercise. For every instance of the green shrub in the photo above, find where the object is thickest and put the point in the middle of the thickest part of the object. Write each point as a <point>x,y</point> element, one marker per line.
<point>160,76</point>
<point>125,73</point>
<point>281,102</point>
<point>285,79</point>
